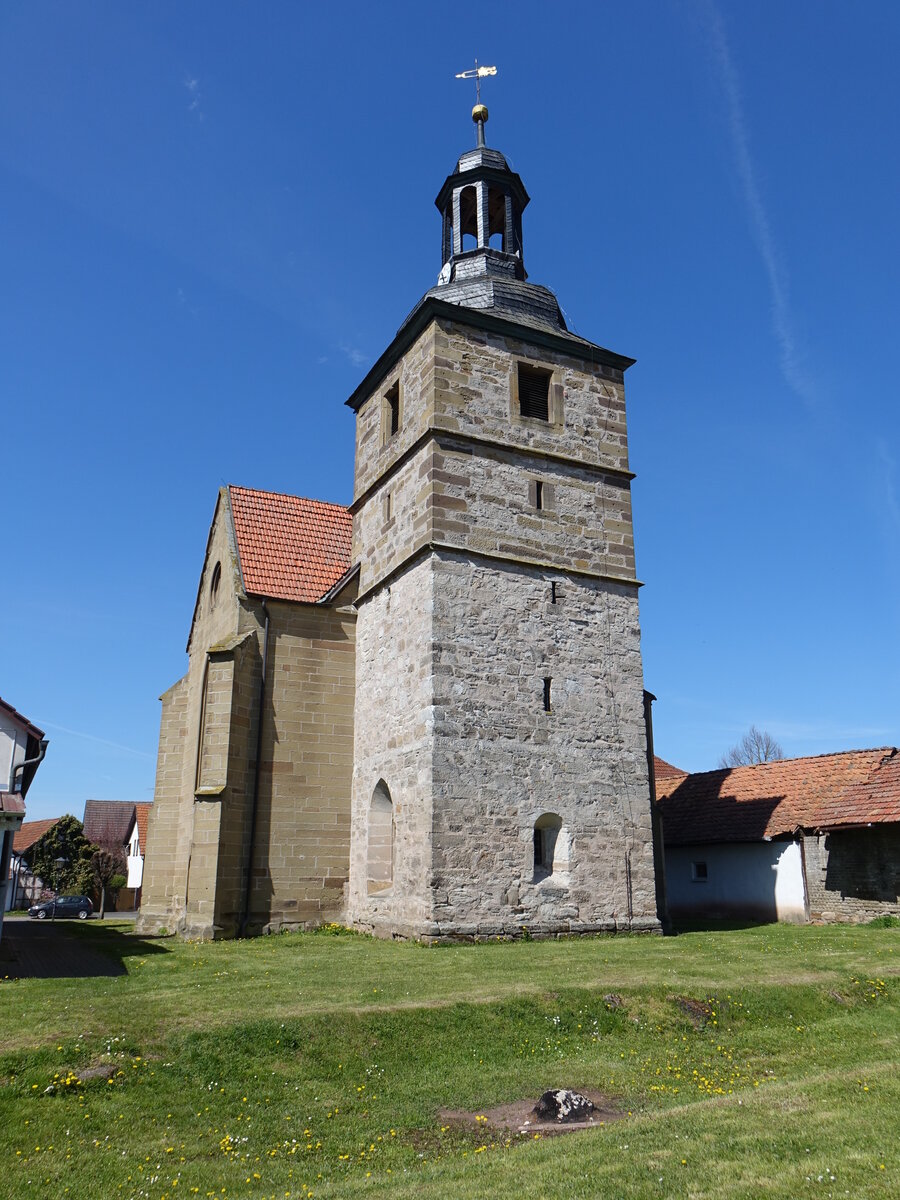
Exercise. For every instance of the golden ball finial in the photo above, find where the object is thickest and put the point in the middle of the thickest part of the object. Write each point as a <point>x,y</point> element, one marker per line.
<point>480,113</point>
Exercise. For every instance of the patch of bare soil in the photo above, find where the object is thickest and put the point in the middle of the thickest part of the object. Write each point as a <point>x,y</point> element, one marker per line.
<point>518,1117</point>
<point>698,1012</point>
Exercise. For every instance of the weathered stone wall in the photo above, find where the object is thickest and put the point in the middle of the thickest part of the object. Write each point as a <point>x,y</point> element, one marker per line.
<point>393,738</point>
<point>501,761</point>
<point>395,521</point>
<point>486,501</point>
<point>474,395</point>
<point>376,452</point>
<point>854,874</point>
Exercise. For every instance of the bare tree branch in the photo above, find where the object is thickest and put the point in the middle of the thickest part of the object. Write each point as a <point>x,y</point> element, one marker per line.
<point>756,746</point>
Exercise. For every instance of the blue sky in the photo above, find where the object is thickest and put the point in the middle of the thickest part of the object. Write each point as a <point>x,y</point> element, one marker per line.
<point>214,216</point>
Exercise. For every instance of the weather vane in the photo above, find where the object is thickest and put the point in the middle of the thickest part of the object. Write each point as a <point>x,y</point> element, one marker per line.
<point>478,73</point>
<point>479,112</point>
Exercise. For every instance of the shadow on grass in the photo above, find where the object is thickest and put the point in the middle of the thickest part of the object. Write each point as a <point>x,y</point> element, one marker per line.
<point>716,925</point>
<point>64,950</point>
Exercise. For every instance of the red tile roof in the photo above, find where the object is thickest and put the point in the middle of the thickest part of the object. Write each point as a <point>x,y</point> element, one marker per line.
<point>665,770</point>
<point>29,726</point>
<point>742,804</point>
<point>25,837</point>
<point>142,812</point>
<point>875,801</point>
<point>290,548</point>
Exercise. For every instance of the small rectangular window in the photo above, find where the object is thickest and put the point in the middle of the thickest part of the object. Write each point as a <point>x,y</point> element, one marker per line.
<point>538,494</point>
<point>547,682</point>
<point>534,392</point>
<point>699,872</point>
<point>391,411</point>
<point>388,505</point>
<point>554,593</point>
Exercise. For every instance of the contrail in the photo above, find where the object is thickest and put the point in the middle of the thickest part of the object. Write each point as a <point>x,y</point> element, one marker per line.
<point>90,737</point>
<point>782,323</point>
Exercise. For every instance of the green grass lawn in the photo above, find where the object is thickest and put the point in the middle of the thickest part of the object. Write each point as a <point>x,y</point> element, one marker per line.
<point>316,1065</point>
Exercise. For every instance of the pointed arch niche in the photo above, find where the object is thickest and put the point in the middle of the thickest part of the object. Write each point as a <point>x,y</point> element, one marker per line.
<point>551,848</point>
<point>380,851</point>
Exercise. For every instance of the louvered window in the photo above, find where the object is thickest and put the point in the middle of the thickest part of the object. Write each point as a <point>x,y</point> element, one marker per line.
<point>534,392</point>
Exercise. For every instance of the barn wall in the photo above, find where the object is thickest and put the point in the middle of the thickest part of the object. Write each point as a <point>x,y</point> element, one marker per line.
<point>756,880</point>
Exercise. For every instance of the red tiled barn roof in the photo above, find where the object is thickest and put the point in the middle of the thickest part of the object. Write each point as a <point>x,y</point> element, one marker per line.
<point>766,800</point>
<point>290,548</point>
<point>665,770</point>
<point>874,801</point>
<point>30,831</point>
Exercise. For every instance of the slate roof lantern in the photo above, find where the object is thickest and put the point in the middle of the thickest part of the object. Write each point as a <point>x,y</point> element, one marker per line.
<point>481,204</point>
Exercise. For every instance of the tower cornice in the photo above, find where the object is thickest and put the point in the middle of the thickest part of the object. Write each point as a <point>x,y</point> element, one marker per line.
<point>431,309</point>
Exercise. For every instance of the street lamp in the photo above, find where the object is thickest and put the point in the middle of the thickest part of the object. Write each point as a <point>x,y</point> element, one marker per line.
<point>60,864</point>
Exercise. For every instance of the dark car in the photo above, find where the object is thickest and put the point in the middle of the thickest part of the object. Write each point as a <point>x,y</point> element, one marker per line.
<point>63,906</point>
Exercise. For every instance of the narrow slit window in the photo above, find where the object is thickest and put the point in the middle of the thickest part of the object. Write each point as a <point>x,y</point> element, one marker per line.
<point>538,494</point>
<point>534,392</point>
<point>553,596</point>
<point>388,505</point>
<point>391,411</point>
<point>547,683</point>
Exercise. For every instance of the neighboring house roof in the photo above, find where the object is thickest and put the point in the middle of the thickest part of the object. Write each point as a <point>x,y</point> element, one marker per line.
<point>665,770</point>
<point>290,548</point>
<point>142,815</point>
<point>108,822</point>
<point>30,832</point>
<point>875,801</point>
<point>766,800</point>
<point>23,721</point>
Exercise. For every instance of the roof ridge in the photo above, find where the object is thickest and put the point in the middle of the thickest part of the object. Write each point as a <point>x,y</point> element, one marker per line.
<point>774,762</point>
<point>288,496</point>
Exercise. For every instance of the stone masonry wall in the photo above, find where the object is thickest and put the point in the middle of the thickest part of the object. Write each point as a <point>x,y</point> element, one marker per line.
<point>376,452</point>
<point>474,389</point>
<point>486,501</point>
<point>199,830</point>
<point>501,761</point>
<point>854,874</point>
<point>393,733</point>
<point>302,858</point>
<point>166,854</point>
<point>169,855</point>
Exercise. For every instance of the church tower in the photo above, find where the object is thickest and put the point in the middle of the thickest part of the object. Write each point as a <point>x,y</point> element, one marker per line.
<point>500,776</point>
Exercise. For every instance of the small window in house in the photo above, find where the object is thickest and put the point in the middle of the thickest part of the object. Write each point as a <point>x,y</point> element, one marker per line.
<point>534,392</point>
<point>698,872</point>
<point>391,411</point>
<point>214,583</point>
<point>547,682</point>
